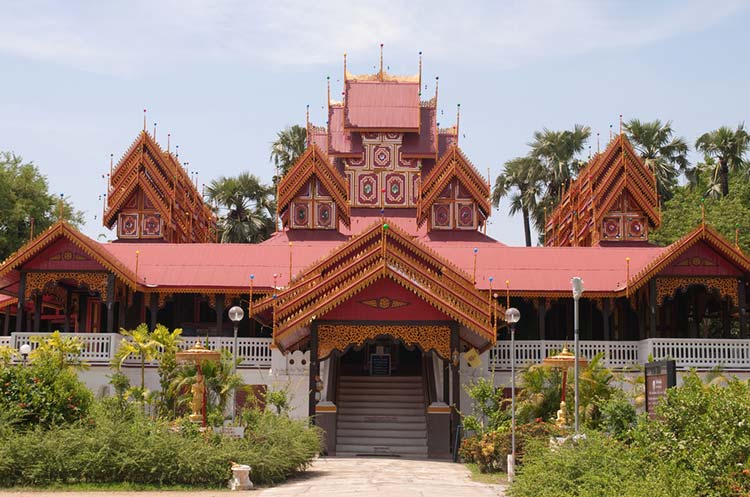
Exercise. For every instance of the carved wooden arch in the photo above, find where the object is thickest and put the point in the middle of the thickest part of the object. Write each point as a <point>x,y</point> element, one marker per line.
<point>343,336</point>
<point>666,287</point>
<point>39,281</point>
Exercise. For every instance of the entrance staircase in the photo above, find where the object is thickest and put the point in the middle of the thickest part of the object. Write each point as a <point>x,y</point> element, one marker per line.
<point>382,416</point>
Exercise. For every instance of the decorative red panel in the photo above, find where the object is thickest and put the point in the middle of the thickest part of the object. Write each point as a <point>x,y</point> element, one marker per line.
<point>147,204</point>
<point>320,190</point>
<point>381,157</point>
<point>612,228</point>
<point>395,189</point>
<point>151,227</point>
<point>465,215</point>
<point>637,228</point>
<point>127,225</point>
<point>368,189</point>
<point>305,191</point>
<point>441,216</point>
<point>325,215</point>
<point>300,214</point>
<point>132,202</point>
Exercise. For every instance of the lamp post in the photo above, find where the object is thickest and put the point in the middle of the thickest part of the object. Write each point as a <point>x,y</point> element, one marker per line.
<point>512,315</point>
<point>577,284</point>
<point>235,314</point>
<point>25,350</point>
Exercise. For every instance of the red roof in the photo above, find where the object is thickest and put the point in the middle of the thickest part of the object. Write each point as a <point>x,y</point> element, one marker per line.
<point>382,105</point>
<point>341,141</point>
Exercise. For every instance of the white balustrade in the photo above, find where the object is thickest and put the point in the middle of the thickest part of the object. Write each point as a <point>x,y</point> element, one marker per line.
<point>100,348</point>
<point>617,355</point>
<point>5,341</point>
<point>729,354</point>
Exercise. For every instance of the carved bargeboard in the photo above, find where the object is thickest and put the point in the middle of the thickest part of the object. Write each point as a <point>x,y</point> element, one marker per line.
<point>340,336</point>
<point>667,286</point>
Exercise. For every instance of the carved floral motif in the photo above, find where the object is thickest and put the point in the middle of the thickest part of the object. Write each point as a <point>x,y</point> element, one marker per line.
<point>38,281</point>
<point>340,336</point>
<point>667,286</point>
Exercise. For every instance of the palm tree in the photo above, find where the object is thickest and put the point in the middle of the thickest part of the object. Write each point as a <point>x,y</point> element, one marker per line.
<point>290,143</point>
<point>728,147</point>
<point>557,151</point>
<point>138,343</point>
<point>664,154</point>
<point>521,179</point>
<point>245,206</point>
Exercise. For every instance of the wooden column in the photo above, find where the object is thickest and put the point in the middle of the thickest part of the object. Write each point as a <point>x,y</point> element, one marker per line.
<point>742,297</point>
<point>219,312</point>
<point>6,323</point>
<point>446,381</point>
<point>314,368</point>
<point>652,304</point>
<point>38,311</point>
<point>541,303</point>
<point>606,313</point>
<point>455,374</point>
<point>153,309</point>
<point>21,300</point>
<point>83,304</point>
<point>122,309</point>
<point>110,303</point>
<point>66,310</point>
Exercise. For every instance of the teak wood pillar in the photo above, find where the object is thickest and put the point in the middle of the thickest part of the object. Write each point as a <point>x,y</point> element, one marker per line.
<point>153,309</point>
<point>314,370</point>
<point>653,333</point>
<point>219,312</point>
<point>68,305</point>
<point>38,297</point>
<point>742,298</point>
<point>455,379</point>
<point>541,304</point>
<point>606,313</point>
<point>83,304</point>
<point>111,327</point>
<point>21,300</point>
<point>6,323</point>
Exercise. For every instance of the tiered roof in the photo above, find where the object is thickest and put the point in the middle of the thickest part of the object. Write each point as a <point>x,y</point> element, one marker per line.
<point>577,219</point>
<point>162,179</point>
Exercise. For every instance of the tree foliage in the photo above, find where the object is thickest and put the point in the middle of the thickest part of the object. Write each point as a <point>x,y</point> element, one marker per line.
<point>290,143</point>
<point>727,147</point>
<point>24,195</point>
<point>246,208</point>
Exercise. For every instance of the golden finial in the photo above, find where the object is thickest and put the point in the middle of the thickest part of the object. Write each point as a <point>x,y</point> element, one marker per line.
<point>328,89</point>
<point>111,164</point>
<point>290,263</point>
<point>154,131</point>
<point>597,142</point>
<point>144,119</point>
<point>476,251</point>
<point>169,136</point>
<point>507,294</point>
<point>381,62</point>
<point>703,211</point>
<point>60,208</point>
<point>737,236</point>
<point>420,71</point>
<point>31,228</point>
<point>344,67</point>
<point>489,298</point>
<point>620,124</point>
<point>307,124</point>
<point>137,257</point>
<point>458,122</point>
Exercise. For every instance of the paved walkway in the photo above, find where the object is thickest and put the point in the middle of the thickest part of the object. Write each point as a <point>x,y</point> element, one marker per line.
<point>370,477</point>
<point>345,477</point>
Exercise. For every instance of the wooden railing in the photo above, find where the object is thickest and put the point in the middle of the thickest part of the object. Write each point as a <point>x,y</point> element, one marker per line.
<point>700,353</point>
<point>100,348</point>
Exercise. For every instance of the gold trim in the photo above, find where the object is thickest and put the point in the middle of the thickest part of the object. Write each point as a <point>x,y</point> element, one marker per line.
<point>96,282</point>
<point>325,409</point>
<point>340,336</point>
<point>667,286</point>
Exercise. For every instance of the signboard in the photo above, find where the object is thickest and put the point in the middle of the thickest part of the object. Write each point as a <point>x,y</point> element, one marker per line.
<point>472,358</point>
<point>660,376</point>
<point>380,365</point>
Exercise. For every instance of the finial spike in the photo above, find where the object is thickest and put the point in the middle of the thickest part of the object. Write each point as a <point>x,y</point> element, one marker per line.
<point>420,71</point>
<point>154,131</point>
<point>597,142</point>
<point>458,122</point>
<point>620,124</point>
<point>344,67</point>
<point>328,89</point>
<point>144,119</point>
<point>169,135</point>
<point>381,62</point>
<point>307,125</point>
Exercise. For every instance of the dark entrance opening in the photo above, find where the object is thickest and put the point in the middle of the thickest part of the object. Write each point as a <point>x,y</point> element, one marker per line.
<point>382,357</point>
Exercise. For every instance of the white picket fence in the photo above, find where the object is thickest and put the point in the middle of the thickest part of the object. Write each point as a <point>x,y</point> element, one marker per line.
<point>731,355</point>
<point>100,348</point>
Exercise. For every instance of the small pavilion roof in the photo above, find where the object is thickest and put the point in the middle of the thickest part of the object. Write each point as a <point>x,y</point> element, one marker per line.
<point>382,105</point>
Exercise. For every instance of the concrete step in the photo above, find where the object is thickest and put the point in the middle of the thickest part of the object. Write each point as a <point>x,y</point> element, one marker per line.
<point>376,390</point>
<point>381,432</point>
<point>365,404</point>
<point>367,397</point>
<point>418,425</point>
<point>367,439</point>
<point>379,450</point>
<point>382,411</point>
<point>381,379</point>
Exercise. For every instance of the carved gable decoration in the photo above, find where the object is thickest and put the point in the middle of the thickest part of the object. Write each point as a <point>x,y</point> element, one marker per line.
<point>313,194</point>
<point>454,195</point>
<point>63,255</point>
<point>701,260</point>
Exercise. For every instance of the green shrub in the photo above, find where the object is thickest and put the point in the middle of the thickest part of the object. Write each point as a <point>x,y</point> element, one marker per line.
<point>110,448</point>
<point>596,466</point>
<point>617,415</point>
<point>704,429</point>
<point>42,393</point>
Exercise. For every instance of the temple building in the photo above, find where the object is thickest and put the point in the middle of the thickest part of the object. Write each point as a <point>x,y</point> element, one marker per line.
<point>381,279</point>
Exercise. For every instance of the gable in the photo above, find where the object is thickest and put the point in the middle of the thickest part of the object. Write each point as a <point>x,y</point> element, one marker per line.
<point>385,300</point>
<point>701,260</point>
<point>62,255</point>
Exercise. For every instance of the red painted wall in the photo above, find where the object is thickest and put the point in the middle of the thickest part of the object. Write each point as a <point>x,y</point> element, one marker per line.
<point>63,256</point>
<point>701,260</point>
<point>355,310</point>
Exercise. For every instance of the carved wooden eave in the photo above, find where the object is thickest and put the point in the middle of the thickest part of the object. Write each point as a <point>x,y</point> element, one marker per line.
<point>59,230</point>
<point>703,233</point>
<point>375,254</point>
<point>315,163</point>
<point>453,165</point>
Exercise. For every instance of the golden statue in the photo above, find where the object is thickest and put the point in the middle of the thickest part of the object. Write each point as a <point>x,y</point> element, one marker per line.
<point>197,389</point>
<point>562,418</point>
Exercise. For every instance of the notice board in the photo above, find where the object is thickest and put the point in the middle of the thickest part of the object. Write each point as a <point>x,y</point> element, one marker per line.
<point>660,376</point>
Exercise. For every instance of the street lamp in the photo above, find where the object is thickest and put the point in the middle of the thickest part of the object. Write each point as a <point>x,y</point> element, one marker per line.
<point>235,314</point>
<point>25,350</point>
<point>577,284</point>
<point>512,315</point>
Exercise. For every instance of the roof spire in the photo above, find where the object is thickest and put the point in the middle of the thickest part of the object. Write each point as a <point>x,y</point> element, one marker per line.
<point>328,89</point>
<point>307,122</point>
<point>154,131</point>
<point>597,142</point>
<point>420,71</point>
<point>169,135</point>
<point>610,132</point>
<point>458,122</point>
<point>111,163</point>
<point>60,208</point>
<point>144,119</point>
<point>344,67</point>
<point>620,124</point>
<point>381,62</point>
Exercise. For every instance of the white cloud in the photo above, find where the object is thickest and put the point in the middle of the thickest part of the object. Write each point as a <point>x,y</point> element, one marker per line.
<point>141,36</point>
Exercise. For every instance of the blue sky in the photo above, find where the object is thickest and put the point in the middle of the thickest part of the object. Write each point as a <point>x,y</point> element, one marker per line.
<point>224,76</point>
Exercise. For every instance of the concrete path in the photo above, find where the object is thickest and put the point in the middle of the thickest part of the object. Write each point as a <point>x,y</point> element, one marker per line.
<point>370,477</point>
<point>345,477</point>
